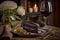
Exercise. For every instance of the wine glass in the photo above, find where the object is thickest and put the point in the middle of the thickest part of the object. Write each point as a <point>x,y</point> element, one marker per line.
<point>46,10</point>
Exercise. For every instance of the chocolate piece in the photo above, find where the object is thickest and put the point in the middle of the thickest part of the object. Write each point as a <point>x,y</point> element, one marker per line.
<point>29,26</point>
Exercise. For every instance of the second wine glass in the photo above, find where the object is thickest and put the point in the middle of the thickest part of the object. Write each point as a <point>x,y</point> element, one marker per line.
<point>46,10</point>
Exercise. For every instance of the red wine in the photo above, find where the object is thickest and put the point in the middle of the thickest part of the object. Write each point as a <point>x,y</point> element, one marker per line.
<point>45,13</point>
<point>46,8</point>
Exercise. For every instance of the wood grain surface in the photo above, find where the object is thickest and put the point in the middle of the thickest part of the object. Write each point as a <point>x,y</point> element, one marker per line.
<point>52,34</point>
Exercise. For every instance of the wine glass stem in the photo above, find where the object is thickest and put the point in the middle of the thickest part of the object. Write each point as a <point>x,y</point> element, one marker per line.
<point>46,20</point>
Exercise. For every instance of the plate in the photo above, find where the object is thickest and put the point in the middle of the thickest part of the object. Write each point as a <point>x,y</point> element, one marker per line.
<point>30,35</point>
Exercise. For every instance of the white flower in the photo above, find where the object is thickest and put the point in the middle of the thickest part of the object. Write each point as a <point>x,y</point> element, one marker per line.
<point>21,10</point>
<point>8,5</point>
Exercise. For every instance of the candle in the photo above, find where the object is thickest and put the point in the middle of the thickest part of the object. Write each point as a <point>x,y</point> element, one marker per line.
<point>35,8</point>
<point>30,9</point>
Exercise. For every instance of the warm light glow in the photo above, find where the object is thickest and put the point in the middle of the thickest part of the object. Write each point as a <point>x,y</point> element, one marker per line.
<point>35,5</point>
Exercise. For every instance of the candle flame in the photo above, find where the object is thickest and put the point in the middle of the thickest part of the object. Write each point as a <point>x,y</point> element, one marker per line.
<point>35,5</point>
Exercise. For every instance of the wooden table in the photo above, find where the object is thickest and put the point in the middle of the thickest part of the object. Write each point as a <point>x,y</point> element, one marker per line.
<point>52,34</point>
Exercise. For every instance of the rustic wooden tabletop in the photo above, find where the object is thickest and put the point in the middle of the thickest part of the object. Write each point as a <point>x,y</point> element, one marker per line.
<point>53,33</point>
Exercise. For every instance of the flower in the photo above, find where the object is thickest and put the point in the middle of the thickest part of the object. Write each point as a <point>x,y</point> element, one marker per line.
<point>8,5</point>
<point>21,10</point>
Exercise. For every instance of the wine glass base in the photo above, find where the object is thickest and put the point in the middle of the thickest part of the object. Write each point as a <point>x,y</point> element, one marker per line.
<point>45,27</point>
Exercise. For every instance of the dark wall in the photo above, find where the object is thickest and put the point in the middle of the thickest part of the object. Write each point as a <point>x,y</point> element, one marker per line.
<point>57,13</point>
<point>2,1</point>
<point>17,1</point>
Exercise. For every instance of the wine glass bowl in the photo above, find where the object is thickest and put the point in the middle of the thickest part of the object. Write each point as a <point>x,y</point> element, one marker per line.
<point>46,8</point>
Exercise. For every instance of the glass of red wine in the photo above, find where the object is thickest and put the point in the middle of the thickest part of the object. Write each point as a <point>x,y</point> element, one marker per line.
<point>46,9</point>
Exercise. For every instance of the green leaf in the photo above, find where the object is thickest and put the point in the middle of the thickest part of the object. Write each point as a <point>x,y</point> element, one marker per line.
<point>17,17</point>
<point>11,22</point>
